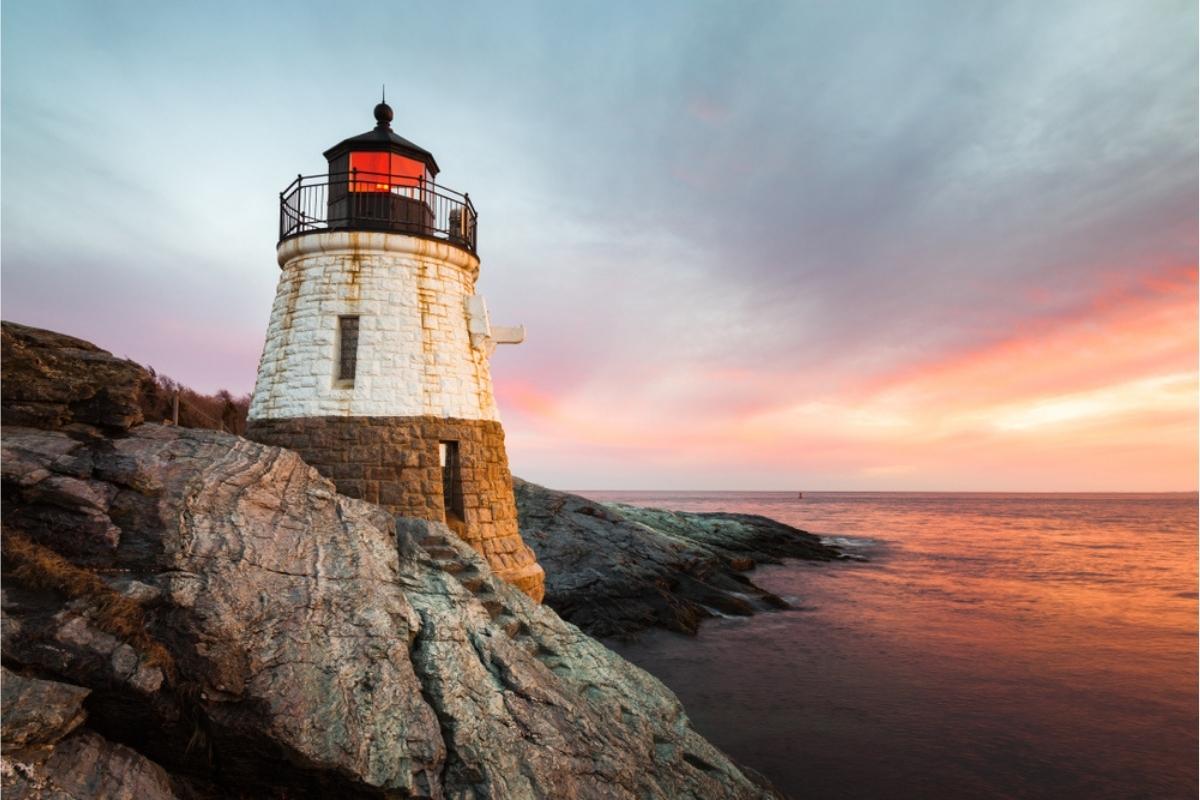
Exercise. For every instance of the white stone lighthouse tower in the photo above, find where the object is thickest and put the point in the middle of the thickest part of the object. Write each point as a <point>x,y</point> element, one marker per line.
<point>375,367</point>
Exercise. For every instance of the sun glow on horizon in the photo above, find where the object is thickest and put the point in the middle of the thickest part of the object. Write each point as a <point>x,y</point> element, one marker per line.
<point>818,245</point>
<point>1102,399</point>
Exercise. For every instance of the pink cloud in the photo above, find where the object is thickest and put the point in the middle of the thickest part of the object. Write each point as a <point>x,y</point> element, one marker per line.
<point>1100,397</point>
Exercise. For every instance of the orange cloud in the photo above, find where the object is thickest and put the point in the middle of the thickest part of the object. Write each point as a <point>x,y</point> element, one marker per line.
<point>1101,398</point>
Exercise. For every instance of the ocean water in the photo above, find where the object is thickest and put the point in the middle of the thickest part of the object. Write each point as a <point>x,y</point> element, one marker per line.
<point>994,645</point>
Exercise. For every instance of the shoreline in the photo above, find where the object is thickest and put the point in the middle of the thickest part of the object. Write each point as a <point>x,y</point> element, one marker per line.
<point>617,569</point>
<point>191,614</point>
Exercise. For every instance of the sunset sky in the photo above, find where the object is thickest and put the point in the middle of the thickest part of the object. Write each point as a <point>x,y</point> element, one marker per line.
<point>793,245</point>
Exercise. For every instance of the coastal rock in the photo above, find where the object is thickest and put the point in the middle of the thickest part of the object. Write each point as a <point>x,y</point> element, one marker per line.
<point>245,631</point>
<point>615,569</point>
<point>83,767</point>
<point>53,381</point>
<point>45,756</point>
<point>532,707</point>
<point>37,712</point>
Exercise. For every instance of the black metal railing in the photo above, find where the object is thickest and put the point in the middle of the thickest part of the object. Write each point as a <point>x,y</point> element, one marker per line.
<point>373,201</point>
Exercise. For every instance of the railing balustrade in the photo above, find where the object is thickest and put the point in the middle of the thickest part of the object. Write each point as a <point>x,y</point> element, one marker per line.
<point>371,201</point>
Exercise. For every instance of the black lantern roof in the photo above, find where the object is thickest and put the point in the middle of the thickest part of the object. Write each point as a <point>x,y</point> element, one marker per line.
<point>383,139</point>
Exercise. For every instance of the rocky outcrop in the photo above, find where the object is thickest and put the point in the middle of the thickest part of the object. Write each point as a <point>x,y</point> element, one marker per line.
<point>233,627</point>
<point>53,381</point>
<point>396,462</point>
<point>83,767</point>
<point>37,713</point>
<point>615,569</point>
<point>45,757</point>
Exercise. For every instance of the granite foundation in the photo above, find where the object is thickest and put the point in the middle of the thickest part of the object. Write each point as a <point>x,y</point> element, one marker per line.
<point>395,462</point>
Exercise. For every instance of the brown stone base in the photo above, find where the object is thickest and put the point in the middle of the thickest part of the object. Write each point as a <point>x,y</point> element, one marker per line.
<point>394,461</point>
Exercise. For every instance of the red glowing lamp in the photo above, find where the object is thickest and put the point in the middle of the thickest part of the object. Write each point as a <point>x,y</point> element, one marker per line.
<point>380,180</point>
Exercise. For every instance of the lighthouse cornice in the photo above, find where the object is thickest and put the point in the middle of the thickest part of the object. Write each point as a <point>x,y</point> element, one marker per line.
<point>353,243</point>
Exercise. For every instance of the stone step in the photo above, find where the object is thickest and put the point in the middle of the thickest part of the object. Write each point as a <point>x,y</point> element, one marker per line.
<point>435,540</point>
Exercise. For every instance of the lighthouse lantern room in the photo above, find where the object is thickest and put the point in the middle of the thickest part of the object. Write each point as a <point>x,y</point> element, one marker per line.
<point>378,181</point>
<point>375,366</point>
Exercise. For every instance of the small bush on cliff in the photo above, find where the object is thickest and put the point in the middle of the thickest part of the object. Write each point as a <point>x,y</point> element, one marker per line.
<point>221,411</point>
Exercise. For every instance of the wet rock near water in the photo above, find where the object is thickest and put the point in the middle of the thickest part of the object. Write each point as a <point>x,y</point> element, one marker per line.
<point>615,569</point>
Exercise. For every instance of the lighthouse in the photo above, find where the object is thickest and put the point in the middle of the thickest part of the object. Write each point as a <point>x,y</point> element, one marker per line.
<point>375,365</point>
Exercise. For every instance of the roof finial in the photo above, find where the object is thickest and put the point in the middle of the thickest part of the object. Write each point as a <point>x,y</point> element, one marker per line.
<point>383,94</point>
<point>383,112</point>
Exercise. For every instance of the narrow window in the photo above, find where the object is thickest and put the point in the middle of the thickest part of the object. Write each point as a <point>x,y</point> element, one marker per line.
<point>452,496</point>
<point>347,348</point>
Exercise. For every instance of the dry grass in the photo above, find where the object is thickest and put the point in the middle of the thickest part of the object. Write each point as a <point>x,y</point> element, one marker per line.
<point>39,567</point>
<point>220,411</point>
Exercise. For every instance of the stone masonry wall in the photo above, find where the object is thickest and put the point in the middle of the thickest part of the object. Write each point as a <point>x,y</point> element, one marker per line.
<point>394,461</point>
<point>414,351</point>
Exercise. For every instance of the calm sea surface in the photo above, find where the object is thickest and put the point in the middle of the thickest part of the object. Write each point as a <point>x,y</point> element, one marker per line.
<point>995,645</point>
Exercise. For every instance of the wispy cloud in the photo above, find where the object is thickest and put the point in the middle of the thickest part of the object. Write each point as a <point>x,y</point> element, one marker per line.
<point>1077,401</point>
<point>835,244</point>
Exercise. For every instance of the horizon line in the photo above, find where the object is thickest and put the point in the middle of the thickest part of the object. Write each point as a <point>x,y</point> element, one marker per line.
<point>890,491</point>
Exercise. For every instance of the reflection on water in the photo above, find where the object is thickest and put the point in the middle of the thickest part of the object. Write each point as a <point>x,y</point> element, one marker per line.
<point>994,646</point>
